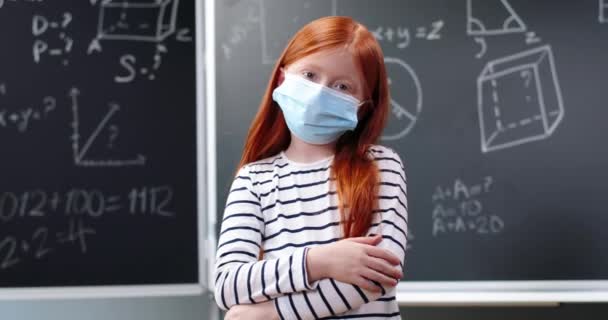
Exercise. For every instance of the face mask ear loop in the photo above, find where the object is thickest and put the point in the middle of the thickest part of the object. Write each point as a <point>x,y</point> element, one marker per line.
<point>364,102</point>
<point>361,105</point>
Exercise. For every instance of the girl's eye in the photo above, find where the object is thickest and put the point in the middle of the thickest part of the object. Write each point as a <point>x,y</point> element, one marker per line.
<point>308,74</point>
<point>342,87</point>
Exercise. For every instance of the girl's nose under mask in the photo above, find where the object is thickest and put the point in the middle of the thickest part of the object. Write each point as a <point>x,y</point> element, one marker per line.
<point>313,112</point>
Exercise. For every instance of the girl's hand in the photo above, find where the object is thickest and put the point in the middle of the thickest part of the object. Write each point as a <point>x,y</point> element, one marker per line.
<point>259,311</point>
<point>354,261</point>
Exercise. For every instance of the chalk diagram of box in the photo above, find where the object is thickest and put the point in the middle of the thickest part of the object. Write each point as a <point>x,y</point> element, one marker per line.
<point>603,16</point>
<point>276,30</point>
<point>137,20</point>
<point>492,17</point>
<point>519,99</point>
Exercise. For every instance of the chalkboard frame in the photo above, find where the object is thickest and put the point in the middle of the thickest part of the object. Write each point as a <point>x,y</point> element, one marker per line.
<point>203,131</point>
<point>497,293</point>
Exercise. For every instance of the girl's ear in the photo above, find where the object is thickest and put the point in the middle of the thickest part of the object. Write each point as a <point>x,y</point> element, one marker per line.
<point>281,76</point>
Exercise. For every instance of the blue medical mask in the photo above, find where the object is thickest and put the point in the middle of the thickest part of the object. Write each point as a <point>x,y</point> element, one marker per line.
<point>313,112</point>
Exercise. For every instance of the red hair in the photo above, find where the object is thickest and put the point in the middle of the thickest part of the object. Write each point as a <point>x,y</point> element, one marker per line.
<point>356,175</point>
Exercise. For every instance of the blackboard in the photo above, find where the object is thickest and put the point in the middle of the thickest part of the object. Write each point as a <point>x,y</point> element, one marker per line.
<point>498,110</point>
<point>99,143</point>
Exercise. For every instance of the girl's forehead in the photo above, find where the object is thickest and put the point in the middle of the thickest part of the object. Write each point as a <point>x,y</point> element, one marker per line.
<point>329,56</point>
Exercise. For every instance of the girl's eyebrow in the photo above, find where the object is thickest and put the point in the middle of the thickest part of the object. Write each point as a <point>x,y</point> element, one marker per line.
<point>315,67</point>
<point>309,66</point>
<point>347,77</point>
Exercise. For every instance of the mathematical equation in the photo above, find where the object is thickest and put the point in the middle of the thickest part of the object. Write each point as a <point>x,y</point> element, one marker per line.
<point>459,208</point>
<point>51,37</point>
<point>94,203</point>
<point>42,242</point>
<point>402,37</point>
<point>21,118</point>
<point>78,206</point>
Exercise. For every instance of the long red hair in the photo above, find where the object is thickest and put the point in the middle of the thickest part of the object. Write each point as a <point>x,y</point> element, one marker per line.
<point>356,175</point>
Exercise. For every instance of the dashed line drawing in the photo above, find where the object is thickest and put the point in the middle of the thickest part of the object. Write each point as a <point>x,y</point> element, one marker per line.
<point>492,17</point>
<point>519,99</point>
<point>406,99</point>
<point>152,21</point>
<point>80,152</point>
<point>276,30</point>
<point>603,8</point>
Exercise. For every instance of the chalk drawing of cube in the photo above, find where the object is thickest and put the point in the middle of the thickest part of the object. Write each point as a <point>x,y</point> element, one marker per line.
<point>519,99</point>
<point>138,20</point>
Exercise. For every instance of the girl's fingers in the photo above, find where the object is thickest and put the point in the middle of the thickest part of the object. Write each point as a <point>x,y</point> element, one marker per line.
<point>366,240</point>
<point>379,277</point>
<point>366,284</point>
<point>384,267</point>
<point>382,254</point>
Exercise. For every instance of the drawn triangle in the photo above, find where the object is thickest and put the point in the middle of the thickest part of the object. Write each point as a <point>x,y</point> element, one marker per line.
<point>492,17</point>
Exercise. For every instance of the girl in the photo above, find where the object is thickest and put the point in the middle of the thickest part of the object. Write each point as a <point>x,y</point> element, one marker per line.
<point>321,206</point>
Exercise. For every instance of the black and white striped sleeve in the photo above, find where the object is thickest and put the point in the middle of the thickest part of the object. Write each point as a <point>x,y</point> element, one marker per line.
<point>330,297</point>
<point>239,277</point>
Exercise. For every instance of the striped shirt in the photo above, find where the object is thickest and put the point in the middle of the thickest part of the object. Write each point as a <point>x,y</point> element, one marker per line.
<point>286,207</point>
